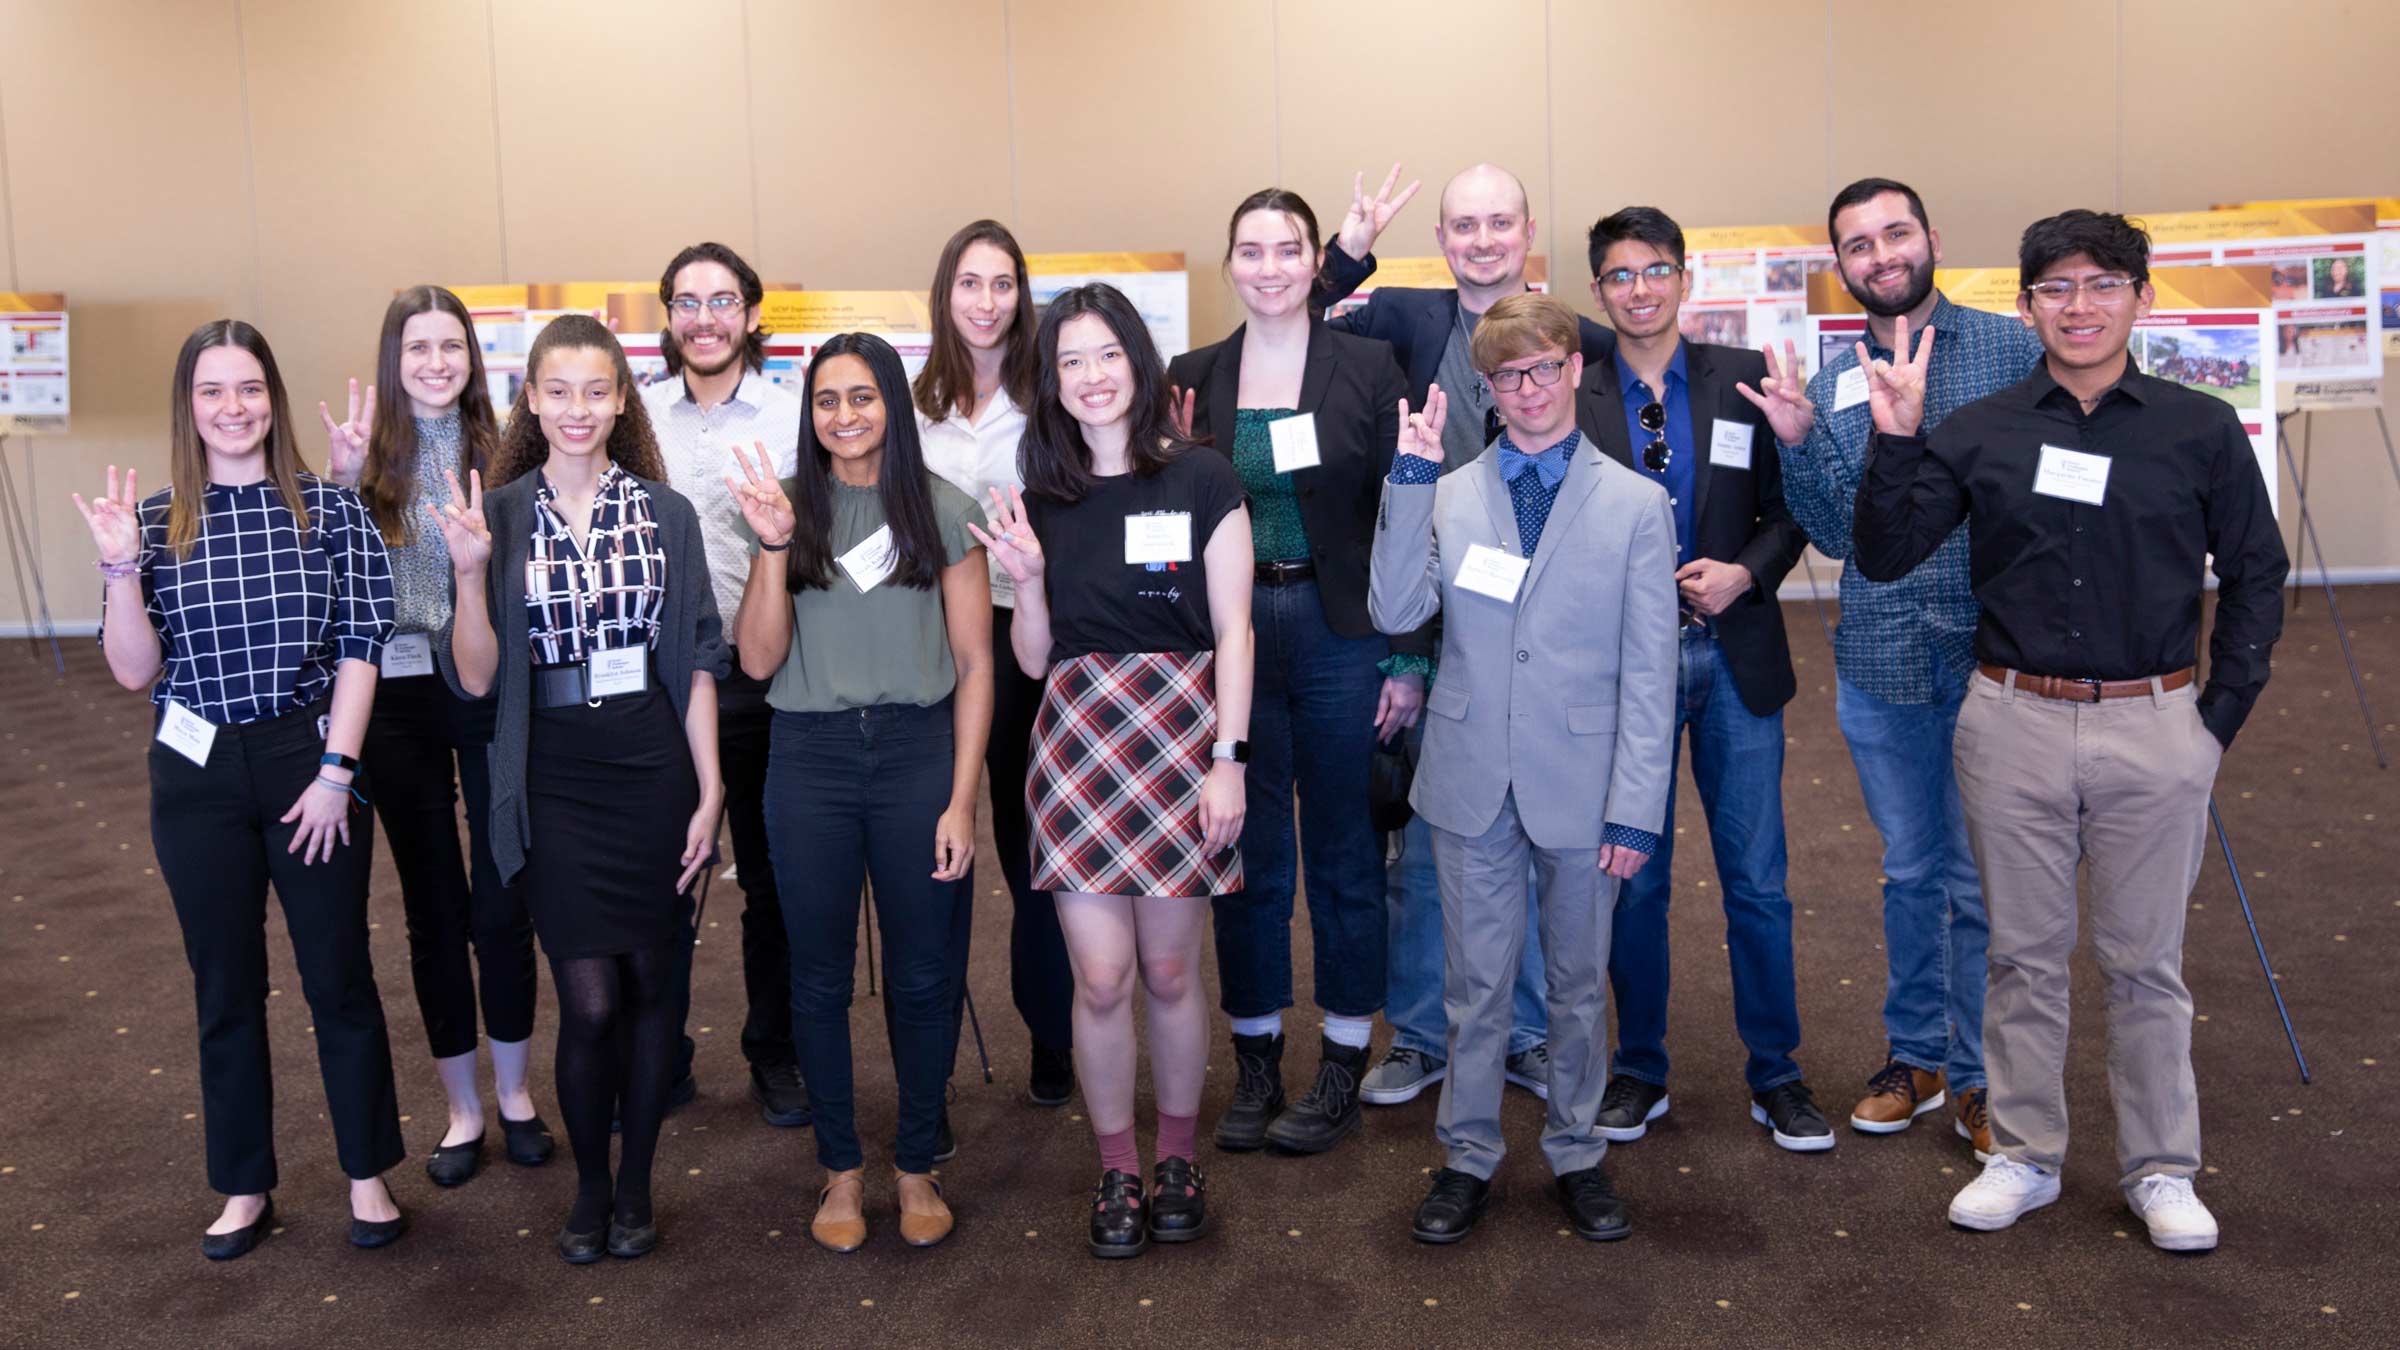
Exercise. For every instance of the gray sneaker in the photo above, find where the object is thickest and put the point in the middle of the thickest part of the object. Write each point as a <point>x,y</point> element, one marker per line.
<point>1530,1069</point>
<point>1400,1077</point>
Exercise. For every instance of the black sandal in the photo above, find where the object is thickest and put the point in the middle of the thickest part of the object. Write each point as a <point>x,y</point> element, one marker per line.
<point>1119,1226</point>
<point>1178,1201</point>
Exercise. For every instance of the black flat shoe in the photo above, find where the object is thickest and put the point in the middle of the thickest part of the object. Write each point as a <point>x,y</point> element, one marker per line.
<point>529,1142</point>
<point>1052,1081</point>
<point>1119,1227</point>
<point>376,1233</point>
<point>1450,1209</point>
<point>228,1246</point>
<point>1178,1201</point>
<point>1592,1206</point>
<point>456,1164</point>
<point>627,1243</point>
<point>582,1249</point>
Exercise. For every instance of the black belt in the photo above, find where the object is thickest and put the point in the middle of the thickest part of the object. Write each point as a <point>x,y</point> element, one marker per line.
<point>564,686</point>
<point>1283,573</point>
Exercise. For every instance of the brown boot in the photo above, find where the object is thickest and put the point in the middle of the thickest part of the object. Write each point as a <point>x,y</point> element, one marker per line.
<point>841,1235</point>
<point>924,1219</point>
<point>1896,1096</point>
<point>1974,1123</point>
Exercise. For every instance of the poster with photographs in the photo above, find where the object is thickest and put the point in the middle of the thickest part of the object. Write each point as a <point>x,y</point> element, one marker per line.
<point>2213,330</point>
<point>1156,283</point>
<point>1750,284</point>
<point>2322,262</point>
<point>33,364</point>
<point>508,318</point>
<point>2386,212</point>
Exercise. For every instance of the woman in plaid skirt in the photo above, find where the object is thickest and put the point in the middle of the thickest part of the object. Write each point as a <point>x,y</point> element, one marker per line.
<point>1131,564</point>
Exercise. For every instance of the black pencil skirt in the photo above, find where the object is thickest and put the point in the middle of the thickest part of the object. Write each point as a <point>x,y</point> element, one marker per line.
<point>609,792</point>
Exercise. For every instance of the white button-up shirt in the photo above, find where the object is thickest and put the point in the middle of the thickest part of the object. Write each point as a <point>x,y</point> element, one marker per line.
<point>698,447</point>
<point>976,457</point>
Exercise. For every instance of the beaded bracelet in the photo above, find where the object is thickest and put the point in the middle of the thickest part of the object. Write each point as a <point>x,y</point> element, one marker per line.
<point>118,571</point>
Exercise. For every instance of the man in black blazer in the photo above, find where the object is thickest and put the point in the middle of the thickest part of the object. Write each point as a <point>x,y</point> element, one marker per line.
<point>1668,409</point>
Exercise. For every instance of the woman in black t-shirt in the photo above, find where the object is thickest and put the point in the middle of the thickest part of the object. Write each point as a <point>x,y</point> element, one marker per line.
<point>1131,560</point>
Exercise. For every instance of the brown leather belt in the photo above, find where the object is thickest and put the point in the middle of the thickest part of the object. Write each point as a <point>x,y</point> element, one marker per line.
<point>2083,691</point>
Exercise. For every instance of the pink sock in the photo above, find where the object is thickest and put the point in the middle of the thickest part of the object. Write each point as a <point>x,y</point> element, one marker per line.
<point>1177,1136</point>
<point>1118,1153</point>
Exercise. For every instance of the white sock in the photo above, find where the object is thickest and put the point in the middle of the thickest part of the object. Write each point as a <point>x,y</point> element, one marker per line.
<point>1353,1032</point>
<point>1269,1025</point>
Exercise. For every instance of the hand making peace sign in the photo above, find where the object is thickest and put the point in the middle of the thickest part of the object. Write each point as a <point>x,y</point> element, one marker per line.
<point>1011,539</point>
<point>1367,217</point>
<point>346,453</point>
<point>1785,402</point>
<point>115,520</point>
<point>1896,388</point>
<point>765,509</point>
<point>1421,433</point>
<point>464,531</point>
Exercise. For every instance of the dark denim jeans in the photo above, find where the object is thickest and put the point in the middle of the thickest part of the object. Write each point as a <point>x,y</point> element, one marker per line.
<point>1312,724</point>
<point>1737,763</point>
<point>850,796</point>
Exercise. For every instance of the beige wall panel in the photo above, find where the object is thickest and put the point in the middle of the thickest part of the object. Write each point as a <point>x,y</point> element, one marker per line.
<point>861,177</point>
<point>1949,99</point>
<point>624,134</point>
<point>1731,93</point>
<point>1139,126</point>
<point>372,131</point>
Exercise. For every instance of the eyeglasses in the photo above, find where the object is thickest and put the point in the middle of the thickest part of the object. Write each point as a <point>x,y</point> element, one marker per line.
<point>2105,290</point>
<point>1544,374</point>
<point>720,305</point>
<point>1618,278</point>
<point>1657,455</point>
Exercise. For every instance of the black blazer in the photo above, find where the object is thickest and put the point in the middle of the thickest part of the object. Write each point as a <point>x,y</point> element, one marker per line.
<point>1739,517</point>
<point>1415,320</point>
<point>1352,386</point>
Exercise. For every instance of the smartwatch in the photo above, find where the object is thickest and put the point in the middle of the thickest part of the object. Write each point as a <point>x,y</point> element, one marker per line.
<point>331,760</point>
<point>1237,751</point>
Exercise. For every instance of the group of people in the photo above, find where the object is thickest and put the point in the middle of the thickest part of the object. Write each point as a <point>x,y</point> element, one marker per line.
<point>1186,618</point>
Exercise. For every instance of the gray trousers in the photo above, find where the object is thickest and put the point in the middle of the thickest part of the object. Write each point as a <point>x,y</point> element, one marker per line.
<point>1483,880</point>
<point>2121,787</point>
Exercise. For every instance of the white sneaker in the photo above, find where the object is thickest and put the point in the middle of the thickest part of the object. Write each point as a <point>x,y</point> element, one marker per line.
<point>2005,1193</point>
<point>2178,1221</point>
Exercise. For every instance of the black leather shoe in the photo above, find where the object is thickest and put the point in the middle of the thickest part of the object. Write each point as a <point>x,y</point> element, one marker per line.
<point>627,1243</point>
<point>1791,1112</point>
<point>782,1098</point>
<point>529,1141</point>
<point>1627,1106</point>
<point>1593,1209</point>
<point>1257,1093</point>
<point>1120,1228</point>
<point>456,1164</point>
<point>582,1249</point>
<point>1178,1201</point>
<point>376,1233</point>
<point>1329,1112</point>
<point>1052,1082</point>
<point>228,1246</point>
<point>1451,1208</point>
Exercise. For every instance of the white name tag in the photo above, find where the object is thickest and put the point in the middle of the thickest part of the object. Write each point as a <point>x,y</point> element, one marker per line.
<point>1729,444</point>
<point>1850,388</point>
<point>616,670</point>
<point>408,654</point>
<point>872,560</point>
<point>1295,439</point>
<point>1165,537</point>
<point>2072,475</point>
<point>1488,571</point>
<point>187,733</point>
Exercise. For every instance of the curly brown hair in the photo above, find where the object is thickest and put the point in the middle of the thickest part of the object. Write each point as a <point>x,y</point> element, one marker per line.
<point>631,443</point>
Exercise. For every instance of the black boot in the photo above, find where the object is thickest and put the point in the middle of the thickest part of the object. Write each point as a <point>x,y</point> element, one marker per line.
<point>1257,1093</point>
<point>1330,1110</point>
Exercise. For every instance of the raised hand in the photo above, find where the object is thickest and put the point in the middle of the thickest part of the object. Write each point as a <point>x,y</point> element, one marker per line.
<point>464,531</point>
<point>1785,396</point>
<point>765,509</point>
<point>1368,216</point>
<point>1421,433</point>
<point>1896,388</point>
<point>346,455</point>
<point>1011,540</point>
<point>115,520</point>
<point>1182,403</point>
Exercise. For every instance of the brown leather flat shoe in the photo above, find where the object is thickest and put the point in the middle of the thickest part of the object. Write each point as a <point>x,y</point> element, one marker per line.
<point>924,1219</point>
<point>841,1235</point>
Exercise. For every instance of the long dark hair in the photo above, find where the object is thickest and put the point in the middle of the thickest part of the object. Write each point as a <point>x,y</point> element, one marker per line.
<point>631,444</point>
<point>947,383</point>
<point>388,484</point>
<point>907,487</point>
<point>1053,456</point>
<point>187,454</point>
<point>754,340</point>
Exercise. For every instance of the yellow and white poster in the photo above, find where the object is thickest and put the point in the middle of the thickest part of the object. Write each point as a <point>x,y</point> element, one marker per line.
<point>1750,284</point>
<point>33,363</point>
<point>2387,261</point>
<point>1156,283</point>
<point>2322,269</point>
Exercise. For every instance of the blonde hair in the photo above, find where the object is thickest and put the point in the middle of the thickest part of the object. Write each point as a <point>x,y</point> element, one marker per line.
<point>1521,325</point>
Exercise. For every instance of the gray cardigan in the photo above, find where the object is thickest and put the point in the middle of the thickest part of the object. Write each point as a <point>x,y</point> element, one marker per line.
<point>689,638</point>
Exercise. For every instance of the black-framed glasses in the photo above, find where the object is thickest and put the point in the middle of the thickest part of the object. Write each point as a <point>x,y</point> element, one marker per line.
<point>1657,455</point>
<point>1544,373</point>
<point>720,305</point>
<point>1618,278</point>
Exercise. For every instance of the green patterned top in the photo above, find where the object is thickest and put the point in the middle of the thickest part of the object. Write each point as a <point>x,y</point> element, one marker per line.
<point>1276,534</point>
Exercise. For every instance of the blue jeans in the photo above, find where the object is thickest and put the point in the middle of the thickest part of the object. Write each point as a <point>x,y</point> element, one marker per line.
<point>1737,763</point>
<point>1312,725</point>
<point>1934,932</point>
<point>1413,998</point>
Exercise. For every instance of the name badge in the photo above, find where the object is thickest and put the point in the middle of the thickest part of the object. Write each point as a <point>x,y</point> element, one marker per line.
<point>616,670</point>
<point>408,654</point>
<point>2072,475</point>
<point>1295,441</point>
<point>1850,388</point>
<point>187,733</point>
<point>1488,571</point>
<point>1729,444</point>
<point>871,560</point>
<point>1163,537</point>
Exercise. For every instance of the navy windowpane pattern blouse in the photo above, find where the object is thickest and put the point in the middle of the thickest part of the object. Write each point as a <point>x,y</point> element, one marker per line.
<point>253,620</point>
<point>581,598</point>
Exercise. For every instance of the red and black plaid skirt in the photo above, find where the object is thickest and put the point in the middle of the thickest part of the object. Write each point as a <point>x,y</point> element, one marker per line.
<point>1120,749</point>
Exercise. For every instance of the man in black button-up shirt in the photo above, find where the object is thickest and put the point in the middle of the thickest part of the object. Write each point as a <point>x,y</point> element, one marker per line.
<point>2094,495</point>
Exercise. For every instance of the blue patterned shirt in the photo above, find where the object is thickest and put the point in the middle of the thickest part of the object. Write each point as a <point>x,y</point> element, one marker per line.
<point>1896,636</point>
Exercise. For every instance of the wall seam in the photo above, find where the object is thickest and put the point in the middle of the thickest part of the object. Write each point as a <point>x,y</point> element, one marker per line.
<point>1549,135</point>
<point>241,59</point>
<point>2120,166</point>
<point>8,227</point>
<point>750,139</point>
<point>1275,83</point>
<point>1008,65</point>
<point>1830,171</point>
<point>491,52</point>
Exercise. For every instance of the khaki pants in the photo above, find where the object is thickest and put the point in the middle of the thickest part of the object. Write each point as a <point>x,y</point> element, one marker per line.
<point>2122,786</point>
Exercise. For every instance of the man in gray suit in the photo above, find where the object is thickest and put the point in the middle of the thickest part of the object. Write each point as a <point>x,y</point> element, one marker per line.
<point>1549,739</point>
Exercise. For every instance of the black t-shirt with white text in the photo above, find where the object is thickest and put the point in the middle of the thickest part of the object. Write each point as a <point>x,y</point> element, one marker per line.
<point>1100,603</point>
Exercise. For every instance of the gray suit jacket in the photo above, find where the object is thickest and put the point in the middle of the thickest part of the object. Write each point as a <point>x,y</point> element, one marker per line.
<point>1567,695</point>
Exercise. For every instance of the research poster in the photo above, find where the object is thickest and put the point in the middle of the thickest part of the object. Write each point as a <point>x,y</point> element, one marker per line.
<point>33,363</point>
<point>797,323</point>
<point>1156,283</point>
<point>1750,284</point>
<point>2322,268</point>
<point>2387,259</point>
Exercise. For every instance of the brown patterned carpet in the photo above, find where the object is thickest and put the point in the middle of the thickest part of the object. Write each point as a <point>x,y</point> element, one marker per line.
<point>102,1197</point>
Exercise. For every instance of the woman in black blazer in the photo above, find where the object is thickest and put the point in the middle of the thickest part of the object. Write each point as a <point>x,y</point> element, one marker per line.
<point>1309,416</point>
